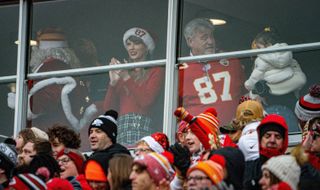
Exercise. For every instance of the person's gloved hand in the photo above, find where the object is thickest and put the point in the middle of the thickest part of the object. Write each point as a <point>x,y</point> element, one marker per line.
<point>11,99</point>
<point>181,158</point>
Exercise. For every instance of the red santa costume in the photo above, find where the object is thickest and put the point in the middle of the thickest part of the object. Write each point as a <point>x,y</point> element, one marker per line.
<point>215,84</point>
<point>56,100</point>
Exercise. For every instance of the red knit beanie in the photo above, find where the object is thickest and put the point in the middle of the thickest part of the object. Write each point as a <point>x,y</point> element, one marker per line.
<point>75,157</point>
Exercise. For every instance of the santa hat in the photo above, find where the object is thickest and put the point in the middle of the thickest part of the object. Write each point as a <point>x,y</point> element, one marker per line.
<point>59,184</point>
<point>39,134</point>
<point>143,35</point>
<point>94,171</point>
<point>107,123</point>
<point>153,144</point>
<point>286,168</point>
<point>27,181</point>
<point>205,126</point>
<point>51,38</point>
<point>308,106</point>
<point>157,166</point>
<point>212,169</point>
<point>75,157</point>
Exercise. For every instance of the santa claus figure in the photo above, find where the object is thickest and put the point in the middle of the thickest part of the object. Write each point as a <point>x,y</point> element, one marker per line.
<point>62,100</point>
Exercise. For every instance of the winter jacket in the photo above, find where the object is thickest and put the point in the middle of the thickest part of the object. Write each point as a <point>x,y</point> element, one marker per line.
<point>281,72</point>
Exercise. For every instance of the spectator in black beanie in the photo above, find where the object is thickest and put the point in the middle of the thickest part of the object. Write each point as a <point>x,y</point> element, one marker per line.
<point>103,134</point>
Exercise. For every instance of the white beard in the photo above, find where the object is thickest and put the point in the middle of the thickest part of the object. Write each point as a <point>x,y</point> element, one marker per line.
<point>38,56</point>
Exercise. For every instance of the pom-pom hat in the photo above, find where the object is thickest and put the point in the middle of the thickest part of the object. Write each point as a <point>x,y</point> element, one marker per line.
<point>212,169</point>
<point>157,166</point>
<point>308,106</point>
<point>205,126</point>
<point>286,168</point>
<point>107,123</point>
<point>143,35</point>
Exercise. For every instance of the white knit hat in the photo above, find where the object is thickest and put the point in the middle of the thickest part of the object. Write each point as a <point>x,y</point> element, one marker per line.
<point>39,134</point>
<point>286,168</point>
<point>143,35</point>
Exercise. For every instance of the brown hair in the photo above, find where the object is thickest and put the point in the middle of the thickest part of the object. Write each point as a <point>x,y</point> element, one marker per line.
<point>27,136</point>
<point>274,179</point>
<point>120,167</point>
<point>67,136</point>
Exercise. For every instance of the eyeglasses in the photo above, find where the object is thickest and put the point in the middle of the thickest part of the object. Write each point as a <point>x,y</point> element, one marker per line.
<point>64,161</point>
<point>197,178</point>
<point>142,150</point>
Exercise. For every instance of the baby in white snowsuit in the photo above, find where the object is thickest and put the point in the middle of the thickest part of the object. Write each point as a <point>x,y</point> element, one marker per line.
<point>281,72</point>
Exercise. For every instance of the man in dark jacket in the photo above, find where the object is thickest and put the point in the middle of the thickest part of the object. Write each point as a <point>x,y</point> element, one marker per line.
<point>273,141</point>
<point>103,134</point>
<point>103,140</point>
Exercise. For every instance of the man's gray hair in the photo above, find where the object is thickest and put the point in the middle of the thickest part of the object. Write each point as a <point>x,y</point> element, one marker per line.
<point>197,24</point>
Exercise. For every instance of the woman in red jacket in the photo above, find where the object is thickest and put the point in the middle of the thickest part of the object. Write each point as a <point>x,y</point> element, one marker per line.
<point>133,92</point>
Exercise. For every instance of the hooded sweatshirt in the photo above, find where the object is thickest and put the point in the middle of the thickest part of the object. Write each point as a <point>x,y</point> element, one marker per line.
<point>253,171</point>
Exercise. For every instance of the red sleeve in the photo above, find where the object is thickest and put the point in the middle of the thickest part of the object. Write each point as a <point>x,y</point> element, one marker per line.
<point>48,98</point>
<point>145,92</point>
<point>111,100</point>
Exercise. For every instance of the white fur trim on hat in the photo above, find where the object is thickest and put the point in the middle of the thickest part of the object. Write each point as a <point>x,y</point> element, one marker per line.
<point>39,134</point>
<point>153,144</point>
<point>143,35</point>
<point>286,168</point>
<point>52,44</point>
<point>69,84</point>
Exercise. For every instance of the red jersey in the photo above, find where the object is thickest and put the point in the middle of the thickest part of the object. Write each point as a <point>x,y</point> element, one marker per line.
<point>215,84</point>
